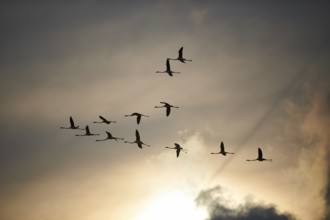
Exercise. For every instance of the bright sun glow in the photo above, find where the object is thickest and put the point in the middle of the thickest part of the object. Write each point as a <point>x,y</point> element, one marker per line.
<point>174,206</point>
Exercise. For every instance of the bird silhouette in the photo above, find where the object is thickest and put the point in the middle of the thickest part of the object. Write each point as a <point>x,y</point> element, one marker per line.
<point>167,106</point>
<point>168,68</point>
<point>260,158</point>
<point>178,149</point>
<point>88,133</point>
<point>138,116</point>
<point>137,140</point>
<point>72,125</point>
<point>110,137</point>
<point>180,56</point>
<point>222,150</point>
<point>104,120</point>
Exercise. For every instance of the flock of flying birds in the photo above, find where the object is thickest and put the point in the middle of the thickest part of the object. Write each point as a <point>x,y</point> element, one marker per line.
<point>138,116</point>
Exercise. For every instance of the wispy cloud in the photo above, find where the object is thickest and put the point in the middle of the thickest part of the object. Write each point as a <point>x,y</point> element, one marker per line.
<point>312,172</point>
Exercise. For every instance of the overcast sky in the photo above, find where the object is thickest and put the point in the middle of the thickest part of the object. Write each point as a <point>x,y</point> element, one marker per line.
<point>259,77</point>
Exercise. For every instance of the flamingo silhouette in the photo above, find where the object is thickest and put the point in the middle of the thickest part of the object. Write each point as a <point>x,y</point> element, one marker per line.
<point>180,56</point>
<point>178,149</point>
<point>222,150</point>
<point>260,158</point>
<point>88,133</point>
<point>138,116</point>
<point>168,68</point>
<point>137,140</point>
<point>104,120</point>
<point>72,125</point>
<point>110,137</point>
<point>167,106</point>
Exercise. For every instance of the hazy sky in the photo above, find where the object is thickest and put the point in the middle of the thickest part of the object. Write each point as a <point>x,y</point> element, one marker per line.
<point>260,77</point>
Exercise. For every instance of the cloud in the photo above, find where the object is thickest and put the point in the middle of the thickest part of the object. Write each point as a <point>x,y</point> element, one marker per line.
<point>316,127</point>
<point>311,113</point>
<point>219,207</point>
<point>327,196</point>
<point>307,145</point>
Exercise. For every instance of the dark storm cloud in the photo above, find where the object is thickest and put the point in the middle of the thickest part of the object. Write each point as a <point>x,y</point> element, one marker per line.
<point>219,209</point>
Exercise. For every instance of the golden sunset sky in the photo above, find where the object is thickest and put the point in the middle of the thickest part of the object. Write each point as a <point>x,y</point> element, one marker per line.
<point>259,77</point>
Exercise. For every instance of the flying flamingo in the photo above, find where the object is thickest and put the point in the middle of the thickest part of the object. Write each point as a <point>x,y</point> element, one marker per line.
<point>72,125</point>
<point>260,158</point>
<point>110,137</point>
<point>138,116</point>
<point>88,133</point>
<point>137,140</point>
<point>178,149</point>
<point>180,57</point>
<point>222,150</point>
<point>167,106</point>
<point>104,120</point>
<point>168,68</point>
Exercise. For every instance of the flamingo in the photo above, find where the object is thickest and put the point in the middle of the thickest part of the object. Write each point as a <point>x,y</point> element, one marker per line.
<point>72,125</point>
<point>222,150</point>
<point>88,133</point>
<point>180,57</point>
<point>137,140</point>
<point>104,120</point>
<point>168,68</point>
<point>178,149</point>
<point>260,158</point>
<point>138,116</point>
<point>110,137</point>
<point>167,106</point>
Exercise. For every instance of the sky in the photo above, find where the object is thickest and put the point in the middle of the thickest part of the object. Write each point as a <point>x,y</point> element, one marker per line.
<point>259,78</point>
